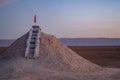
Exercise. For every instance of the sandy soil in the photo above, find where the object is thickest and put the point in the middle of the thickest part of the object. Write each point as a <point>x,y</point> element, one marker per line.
<point>105,56</point>
<point>2,49</point>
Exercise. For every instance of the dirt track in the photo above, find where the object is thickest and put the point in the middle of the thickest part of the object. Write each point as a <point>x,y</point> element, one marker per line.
<point>106,56</point>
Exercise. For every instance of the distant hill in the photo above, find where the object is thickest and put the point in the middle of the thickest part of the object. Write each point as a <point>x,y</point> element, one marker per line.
<point>78,42</point>
<point>91,41</point>
<point>6,42</point>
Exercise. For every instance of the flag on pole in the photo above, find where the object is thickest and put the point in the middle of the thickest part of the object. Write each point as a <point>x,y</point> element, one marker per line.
<point>34,18</point>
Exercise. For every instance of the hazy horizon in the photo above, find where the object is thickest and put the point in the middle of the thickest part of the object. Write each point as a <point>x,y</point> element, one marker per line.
<point>62,18</point>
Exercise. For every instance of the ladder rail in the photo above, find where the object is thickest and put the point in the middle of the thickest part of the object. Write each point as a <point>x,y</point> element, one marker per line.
<point>37,44</point>
<point>28,43</point>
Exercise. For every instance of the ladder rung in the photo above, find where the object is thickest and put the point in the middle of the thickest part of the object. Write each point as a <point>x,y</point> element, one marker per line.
<point>31,49</point>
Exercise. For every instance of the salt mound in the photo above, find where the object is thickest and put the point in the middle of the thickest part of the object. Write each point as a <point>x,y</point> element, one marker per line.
<point>55,62</point>
<point>53,55</point>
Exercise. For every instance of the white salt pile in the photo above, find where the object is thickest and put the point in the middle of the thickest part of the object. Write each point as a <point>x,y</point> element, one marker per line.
<point>55,62</point>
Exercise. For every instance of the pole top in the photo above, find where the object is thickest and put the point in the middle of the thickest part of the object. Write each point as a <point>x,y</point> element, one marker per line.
<point>35,19</point>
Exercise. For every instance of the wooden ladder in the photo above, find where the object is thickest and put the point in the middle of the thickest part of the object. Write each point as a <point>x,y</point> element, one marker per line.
<point>33,43</point>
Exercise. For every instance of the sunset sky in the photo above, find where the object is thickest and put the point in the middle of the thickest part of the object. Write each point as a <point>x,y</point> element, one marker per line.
<point>62,18</point>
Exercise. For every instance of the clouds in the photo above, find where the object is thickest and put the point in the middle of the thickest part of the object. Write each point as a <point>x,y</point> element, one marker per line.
<point>6,2</point>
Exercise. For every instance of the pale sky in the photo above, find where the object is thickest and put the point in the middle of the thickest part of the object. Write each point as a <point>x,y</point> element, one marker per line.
<point>62,18</point>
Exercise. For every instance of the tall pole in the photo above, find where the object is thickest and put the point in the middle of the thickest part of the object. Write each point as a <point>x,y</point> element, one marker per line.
<point>35,19</point>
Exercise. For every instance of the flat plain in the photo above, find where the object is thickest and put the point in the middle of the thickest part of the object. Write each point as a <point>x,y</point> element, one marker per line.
<point>105,56</point>
<point>2,49</point>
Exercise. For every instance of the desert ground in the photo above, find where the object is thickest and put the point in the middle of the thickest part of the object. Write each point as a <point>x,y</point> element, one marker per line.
<point>105,56</point>
<point>2,49</point>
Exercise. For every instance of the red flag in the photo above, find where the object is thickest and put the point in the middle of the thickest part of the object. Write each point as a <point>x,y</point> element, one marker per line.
<point>35,19</point>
